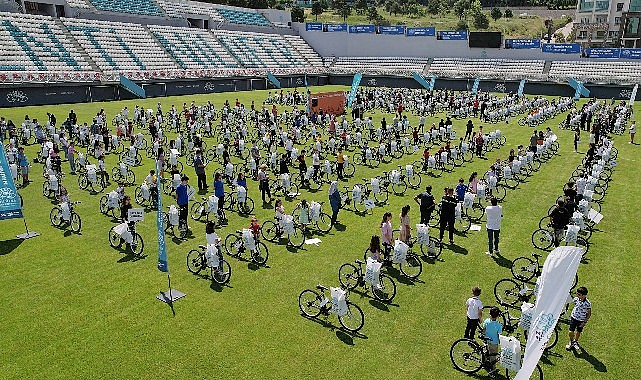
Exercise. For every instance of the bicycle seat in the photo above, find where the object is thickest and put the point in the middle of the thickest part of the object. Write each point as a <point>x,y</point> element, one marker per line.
<point>359,262</point>
<point>202,246</point>
<point>321,287</point>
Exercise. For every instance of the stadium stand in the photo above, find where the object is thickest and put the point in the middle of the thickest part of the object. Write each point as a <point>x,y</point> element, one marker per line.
<point>487,68</point>
<point>117,46</point>
<point>391,65</point>
<point>182,8</point>
<point>141,7</point>
<point>258,50</point>
<point>193,48</point>
<point>236,16</point>
<point>596,72</point>
<point>36,43</point>
<point>78,4</point>
<point>305,50</point>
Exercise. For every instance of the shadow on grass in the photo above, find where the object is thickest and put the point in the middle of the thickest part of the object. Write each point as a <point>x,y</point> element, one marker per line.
<point>7,246</point>
<point>128,256</point>
<point>218,287</point>
<point>343,335</point>
<point>458,249</point>
<point>373,301</point>
<point>340,227</point>
<point>292,249</point>
<point>596,363</point>
<point>502,261</point>
<point>397,275</point>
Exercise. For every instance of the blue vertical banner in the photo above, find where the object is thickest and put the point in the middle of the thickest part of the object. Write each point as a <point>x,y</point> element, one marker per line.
<point>432,82</point>
<point>475,87</point>
<point>163,265</point>
<point>417,77</point>
<point>521,87</point>
<point>9,199</point>
<point>273,79</point>
<point>352,92</point>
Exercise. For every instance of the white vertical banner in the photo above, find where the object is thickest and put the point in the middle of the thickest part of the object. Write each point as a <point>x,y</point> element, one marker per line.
<point>633,96</point>
<point>555,282</point>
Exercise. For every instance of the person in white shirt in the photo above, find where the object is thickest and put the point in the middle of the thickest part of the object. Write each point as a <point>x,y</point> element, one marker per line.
<point>580,315</point>
<point>474,311</point>
<point>633,130</point>
<point>494,213</point>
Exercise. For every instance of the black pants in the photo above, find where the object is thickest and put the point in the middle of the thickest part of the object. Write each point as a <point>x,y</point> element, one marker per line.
<point>479,150</point>
<point>449,224</point>
<point>339,169</point>
<point>264,188</point>
<point>334,215</point>
<point>493,240</point>
<point>182,215</point>
<point>470,328</point>
<point>426,216</point>
<point>202,181</point>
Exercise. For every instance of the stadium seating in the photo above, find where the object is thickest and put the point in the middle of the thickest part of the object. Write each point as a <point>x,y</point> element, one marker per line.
<point>596,72</point>
<point>78,4</point>
<point>117,46</point>
<point>305,50</point>
<point>141,7</point>
<point>487,68</point>
<point>193,48</point>
<point>181,8</point>
<point>248,17</point>
<point>259,50</point>
<point>398,65</point>
<point>36,43</point>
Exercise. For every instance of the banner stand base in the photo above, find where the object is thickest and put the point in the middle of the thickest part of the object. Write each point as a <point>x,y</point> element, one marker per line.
<point>28,235</point>
<point>170,296</point>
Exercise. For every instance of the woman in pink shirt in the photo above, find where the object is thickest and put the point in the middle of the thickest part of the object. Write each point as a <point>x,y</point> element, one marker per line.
<point>386,232</point>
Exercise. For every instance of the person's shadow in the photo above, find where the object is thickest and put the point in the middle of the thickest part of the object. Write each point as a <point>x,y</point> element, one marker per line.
<point>596,363</point>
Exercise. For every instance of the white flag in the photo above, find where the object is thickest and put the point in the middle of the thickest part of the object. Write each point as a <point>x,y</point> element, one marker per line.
<point>633,96</point>
<point>556,280</point>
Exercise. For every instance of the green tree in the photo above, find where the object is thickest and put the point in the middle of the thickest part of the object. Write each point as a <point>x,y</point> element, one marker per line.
<point>318,7</point>
<point>480,21</point>
<point>298,14</point>
<point>461,25</point>
<point>496,13</point>
<point>344,11</point>
<point>461,7</point>
<point>360,6</point>
<point>434,7</point>
<point>373,15</point>
<point>508,13</point>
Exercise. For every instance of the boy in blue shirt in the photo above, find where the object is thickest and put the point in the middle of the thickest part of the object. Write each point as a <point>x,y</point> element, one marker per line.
<point>461,188</point>
<point>493,329</point>
<point>183,202</point>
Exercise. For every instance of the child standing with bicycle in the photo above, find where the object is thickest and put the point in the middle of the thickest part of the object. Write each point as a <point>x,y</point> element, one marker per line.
<point>474,310</point>
<point>493,329</point>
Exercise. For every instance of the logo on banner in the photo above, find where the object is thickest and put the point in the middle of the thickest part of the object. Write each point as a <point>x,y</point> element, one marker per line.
<point>545,323</point>
<point>500,87</point>
<point>299,82</point>
<point>625,93</point>
<point>371,82</point>
<point>6,196</point>
<point>209,86</point>
<point>17,96</point>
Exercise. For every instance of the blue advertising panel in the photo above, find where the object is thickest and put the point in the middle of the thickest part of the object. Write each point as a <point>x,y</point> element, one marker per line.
<point>630,53</point>
<point>9,199</point>
<point>522,44</point>
<point>601,52</point>
<point>561,48</point>
<point>429,31</point>
<point>334,27</point>
<point>452,35</point>
<point>398,29</point>
<point>362,29</point>
<point>314,26</point>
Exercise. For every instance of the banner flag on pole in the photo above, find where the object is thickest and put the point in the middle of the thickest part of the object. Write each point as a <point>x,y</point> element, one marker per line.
<point>352,92</point>
<point>163,265</point>
<point>432,82</point>
<point>9,198</point>
<point>273,79</point>
<point>521,87</point>
<point>475,87</point>
<point>557,276</point>
<point>579,87</point>
<point>634,94</point>
<point>417,77</point>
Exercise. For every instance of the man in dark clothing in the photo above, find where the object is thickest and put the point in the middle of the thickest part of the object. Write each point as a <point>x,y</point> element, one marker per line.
<point>426,203</point>
<point>448,214</point>
<point>199,165</point>
<point>533,140</point>
<point>182,198</point>
<point>559,219</point>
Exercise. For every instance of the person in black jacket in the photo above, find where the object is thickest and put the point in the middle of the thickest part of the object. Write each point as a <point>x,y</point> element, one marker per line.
<point>559,219</point>
<point>448,212</point>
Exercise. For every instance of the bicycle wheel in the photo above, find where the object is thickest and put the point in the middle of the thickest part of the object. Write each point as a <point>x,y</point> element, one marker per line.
<point>324,223</point>
<point>466,355</point>
<point>246,207</point>
<point>414,181</point>
<point>56,216</point>
<point>348,276</point>
<point>581,242</point>
<point>222,274</point>
<point>359,207</point>
<point>523,268</point>
<point>98,186</point>
<point>382,196</point>
<point>385,290</point>
<point>536,375</point>
<point>233,245</point>
<point>83,182</point>
<point>399,188</point>
<point>269,231</point>
<point>412,267</point>
<point>260,254</point>
<point>476,212</point>
<point>103,204</point>
<point>354,319</point>
<point>114,238</point>
<point>195,261</point>
<point>499,193</point>
<point>349,169</point>
<point>507,291</point>
<point>137,245</point>
<point>131,177</point>
<point>309,303</point>
<point>542,239</point>
<point>196,210</point>
<point>432,250</point>
<point>463,224</point>
<point>297,238</point>
<point>76,223</point>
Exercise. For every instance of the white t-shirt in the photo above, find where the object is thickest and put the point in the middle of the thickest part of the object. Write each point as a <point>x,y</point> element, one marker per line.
<point>212,238</point>
<point>633,128</point>
<point>494,215</point>
<point>580,310</point>
<point>474,305</point>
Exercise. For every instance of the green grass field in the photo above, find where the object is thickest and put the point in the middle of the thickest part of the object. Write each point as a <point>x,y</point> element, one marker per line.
<point>74,308</point>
